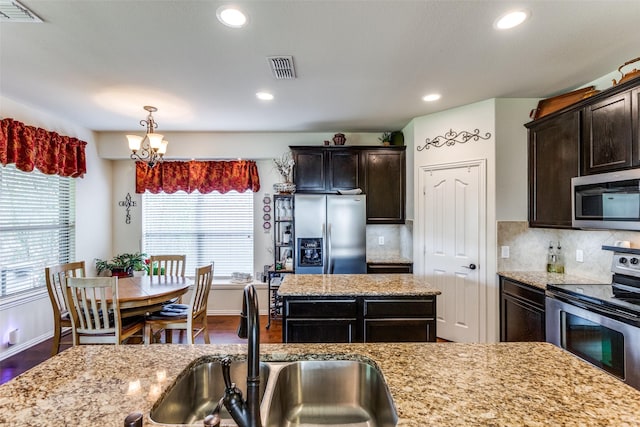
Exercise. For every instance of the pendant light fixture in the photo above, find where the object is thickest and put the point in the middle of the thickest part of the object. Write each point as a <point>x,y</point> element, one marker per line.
<point>150,148</point>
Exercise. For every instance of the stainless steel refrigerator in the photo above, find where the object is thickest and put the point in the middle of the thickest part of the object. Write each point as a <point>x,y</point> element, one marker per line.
<point>330,233</point>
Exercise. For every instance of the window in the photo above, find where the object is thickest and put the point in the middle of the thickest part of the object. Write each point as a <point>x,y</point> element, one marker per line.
<point>37,227</point>
<point>206,227</point>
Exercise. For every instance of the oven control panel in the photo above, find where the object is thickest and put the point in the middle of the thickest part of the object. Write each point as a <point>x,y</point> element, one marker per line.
<point>624,263</point>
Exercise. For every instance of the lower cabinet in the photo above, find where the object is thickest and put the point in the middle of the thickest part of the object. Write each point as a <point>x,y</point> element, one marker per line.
<point>521,312</point>
<point>362,319</point>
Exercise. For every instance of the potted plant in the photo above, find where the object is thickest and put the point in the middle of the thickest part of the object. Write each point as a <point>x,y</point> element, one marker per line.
<point>284,166</point>
<point>123,265</point>
<point>385,138</point>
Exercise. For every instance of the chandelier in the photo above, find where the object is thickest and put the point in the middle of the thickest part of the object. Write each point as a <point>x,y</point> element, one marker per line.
<point>150,148</point>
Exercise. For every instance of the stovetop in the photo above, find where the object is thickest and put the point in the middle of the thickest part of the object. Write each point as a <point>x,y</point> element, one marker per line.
<point>598,295</point>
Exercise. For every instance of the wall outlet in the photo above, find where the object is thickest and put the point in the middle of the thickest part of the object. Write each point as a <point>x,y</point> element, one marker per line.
<point>579,255</point>
<point>381,240</point>
<point>504,251</point>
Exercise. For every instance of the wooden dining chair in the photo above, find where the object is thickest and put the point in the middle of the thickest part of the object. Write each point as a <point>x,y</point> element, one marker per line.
<point>55,277</point>
<point>95,312</point>
<point>191,317</point>
<point>167,265</point>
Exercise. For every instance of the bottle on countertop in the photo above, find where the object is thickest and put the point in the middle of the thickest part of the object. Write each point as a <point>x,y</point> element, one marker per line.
<point>555,259</point>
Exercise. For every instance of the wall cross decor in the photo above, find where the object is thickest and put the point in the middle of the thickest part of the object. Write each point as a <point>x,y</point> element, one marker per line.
<point>128,204</point>
<point>451,137</point>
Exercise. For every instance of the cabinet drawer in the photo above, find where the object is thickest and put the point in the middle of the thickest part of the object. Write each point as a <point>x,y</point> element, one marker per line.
<point>344,308</point>
<point>389,268</point>
<point>531,295</point>
<point>399,330</point>
<point>399,308</point>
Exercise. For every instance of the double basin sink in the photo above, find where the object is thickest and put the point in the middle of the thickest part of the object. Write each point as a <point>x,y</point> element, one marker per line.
<point>303,393</point>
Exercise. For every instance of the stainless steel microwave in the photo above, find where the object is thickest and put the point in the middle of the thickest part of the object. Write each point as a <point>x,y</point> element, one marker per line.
<point>607,200</point>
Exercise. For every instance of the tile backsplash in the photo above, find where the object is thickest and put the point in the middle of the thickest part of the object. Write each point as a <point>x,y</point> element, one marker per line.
<point>528,248</point>
<point>398,242</point>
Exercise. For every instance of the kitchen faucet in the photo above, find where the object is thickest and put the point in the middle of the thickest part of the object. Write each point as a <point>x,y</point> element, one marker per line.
<point>246,413</point>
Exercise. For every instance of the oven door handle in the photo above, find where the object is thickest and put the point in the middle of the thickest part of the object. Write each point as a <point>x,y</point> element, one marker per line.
<point>596,308</point>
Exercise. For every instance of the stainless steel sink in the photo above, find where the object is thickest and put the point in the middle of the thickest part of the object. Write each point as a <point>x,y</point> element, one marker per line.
<point>195,394</point>
<point>328,393</point>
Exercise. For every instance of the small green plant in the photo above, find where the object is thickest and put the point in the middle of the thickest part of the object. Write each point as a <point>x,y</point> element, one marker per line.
<point>126,262</point>
<point>385,138</point>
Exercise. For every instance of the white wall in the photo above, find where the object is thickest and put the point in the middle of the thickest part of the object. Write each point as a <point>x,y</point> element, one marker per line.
<point>481,116</point>
<point>33,315</point>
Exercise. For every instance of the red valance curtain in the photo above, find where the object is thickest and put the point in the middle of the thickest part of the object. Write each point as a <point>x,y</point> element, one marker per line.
<point>204,176</point>
<point>30,147</point>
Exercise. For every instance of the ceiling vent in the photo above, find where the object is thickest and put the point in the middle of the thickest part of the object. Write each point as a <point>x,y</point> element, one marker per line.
<point>12,11</point>
<point>282,67</point>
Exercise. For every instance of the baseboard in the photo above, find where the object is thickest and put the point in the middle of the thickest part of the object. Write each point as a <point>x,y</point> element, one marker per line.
<point>15,349</point>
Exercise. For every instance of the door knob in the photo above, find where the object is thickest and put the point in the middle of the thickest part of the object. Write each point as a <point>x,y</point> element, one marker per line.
<point>470,266</point>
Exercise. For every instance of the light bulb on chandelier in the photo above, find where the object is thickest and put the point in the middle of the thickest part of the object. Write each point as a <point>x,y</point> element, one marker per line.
<point>152,147</point>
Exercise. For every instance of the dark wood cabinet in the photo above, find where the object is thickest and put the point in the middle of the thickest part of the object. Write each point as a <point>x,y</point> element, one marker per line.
<point>399,320</point>
<point>361,319</point>
<point>379,171</point>
<point>384,181</point>
<point>607,143</point>
<point>522,312</point>
<point>389,268</point>
<point>320,320</point>
<point>554,147</point>
<point>325,169</point>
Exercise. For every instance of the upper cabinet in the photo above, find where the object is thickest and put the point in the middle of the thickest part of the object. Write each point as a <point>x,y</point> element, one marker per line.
<point>554,147</point>
<point>378,171</point>
<point>596,135</point>
<point>325,169</point>
<point>607,143</point>
<point>384,181</point>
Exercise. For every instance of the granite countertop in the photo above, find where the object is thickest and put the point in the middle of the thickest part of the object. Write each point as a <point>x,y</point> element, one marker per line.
<point>540,279</point>
<point>506,384</point>
<point>355,285</point>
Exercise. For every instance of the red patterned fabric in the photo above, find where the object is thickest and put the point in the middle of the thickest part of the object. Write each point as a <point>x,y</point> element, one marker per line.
<point>36,148</point>
<point>204,176</point>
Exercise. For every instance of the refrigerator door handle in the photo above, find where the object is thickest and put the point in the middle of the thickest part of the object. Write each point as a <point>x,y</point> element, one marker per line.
<point>324,246</point>
<point>329,260</point>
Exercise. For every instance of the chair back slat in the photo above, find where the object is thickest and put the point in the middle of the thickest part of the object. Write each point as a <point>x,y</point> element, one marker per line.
<point>167,265</point>
<point>204,278</point>
<point>55,277</point>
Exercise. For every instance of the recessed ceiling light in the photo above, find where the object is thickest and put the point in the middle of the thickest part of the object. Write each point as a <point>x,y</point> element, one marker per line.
<point>511,19</point>
<point>265,96</point>
<point>431,97</point>
<point>231,16</point>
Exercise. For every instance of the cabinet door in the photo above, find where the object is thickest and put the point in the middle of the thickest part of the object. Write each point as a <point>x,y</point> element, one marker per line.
<point>635,112</point>
<point>320,330</point>
<point>607,143</point>
<point>309,170</point>
<point>553,160</point>
<point>399,330</point>
<point>344,169</point>
<point>521,321</point>
<point>384,185</point>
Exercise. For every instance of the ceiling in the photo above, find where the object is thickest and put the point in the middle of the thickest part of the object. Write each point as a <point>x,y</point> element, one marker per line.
<point>362,65</point>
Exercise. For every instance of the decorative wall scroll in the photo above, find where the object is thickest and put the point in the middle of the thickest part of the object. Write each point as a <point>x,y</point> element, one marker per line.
<point>451,137</point>
<point>128,204</point>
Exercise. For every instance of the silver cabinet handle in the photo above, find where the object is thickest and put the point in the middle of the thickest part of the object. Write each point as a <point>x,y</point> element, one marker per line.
<point>470,266</point>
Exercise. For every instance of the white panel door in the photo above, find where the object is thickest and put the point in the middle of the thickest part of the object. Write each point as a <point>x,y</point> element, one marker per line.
<point>452,208</point>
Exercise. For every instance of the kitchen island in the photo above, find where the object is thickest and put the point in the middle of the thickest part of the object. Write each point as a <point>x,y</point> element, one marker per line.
<point>348,308</point>
<point>444,384</point>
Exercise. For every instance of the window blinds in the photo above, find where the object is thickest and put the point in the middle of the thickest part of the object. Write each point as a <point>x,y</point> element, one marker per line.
<point>37,227</point>
<point>206,227</point>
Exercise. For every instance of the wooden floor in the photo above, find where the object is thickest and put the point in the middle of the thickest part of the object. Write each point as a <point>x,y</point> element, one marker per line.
<point>222,330</point>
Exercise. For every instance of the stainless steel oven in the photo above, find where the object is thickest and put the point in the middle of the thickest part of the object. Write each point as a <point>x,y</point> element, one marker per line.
<point>600,323</point>
<point>596,336</point>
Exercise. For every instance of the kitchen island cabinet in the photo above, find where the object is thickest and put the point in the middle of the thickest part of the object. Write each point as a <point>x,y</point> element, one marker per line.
<point>439,384</point>
<point>339,308</point>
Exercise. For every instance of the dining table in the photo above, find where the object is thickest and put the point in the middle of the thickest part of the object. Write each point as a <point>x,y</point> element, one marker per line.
<point>146,294</point>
